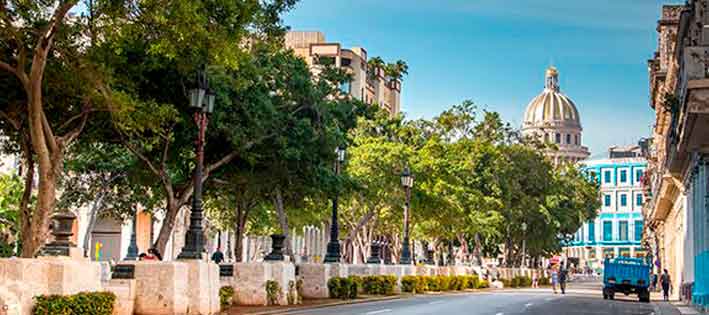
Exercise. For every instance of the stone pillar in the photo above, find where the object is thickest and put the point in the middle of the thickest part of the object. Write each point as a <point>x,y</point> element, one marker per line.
<point>250,279</point>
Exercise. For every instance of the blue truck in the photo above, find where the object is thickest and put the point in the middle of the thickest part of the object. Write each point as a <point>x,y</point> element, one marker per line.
<point>627,275</point>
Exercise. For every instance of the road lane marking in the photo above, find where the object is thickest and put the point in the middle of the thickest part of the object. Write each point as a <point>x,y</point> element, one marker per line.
<point>528,305</point>
<point>386,310</point>
<point>435,302</point>
<point>500,314</point>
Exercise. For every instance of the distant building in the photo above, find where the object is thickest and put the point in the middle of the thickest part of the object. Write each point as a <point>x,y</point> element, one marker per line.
<point>553,118</point>
<point>618,228</point>
<point>371,86</point>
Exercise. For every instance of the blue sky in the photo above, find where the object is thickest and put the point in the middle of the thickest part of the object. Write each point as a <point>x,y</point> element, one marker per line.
<point>494,52</point>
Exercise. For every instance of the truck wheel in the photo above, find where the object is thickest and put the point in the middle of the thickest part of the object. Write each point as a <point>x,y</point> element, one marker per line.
<point>644,296</point>
<point>605,296</point>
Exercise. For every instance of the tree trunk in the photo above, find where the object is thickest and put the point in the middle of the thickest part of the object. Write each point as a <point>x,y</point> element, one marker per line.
<point>282,219</point>
<point>168,223</point>
<point>478,250</point>
<point>241,218</point>
<point>25,210</point>
<point>92,223</point>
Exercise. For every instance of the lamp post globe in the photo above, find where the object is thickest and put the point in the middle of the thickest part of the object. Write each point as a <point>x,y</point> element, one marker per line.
<point>407,181</point>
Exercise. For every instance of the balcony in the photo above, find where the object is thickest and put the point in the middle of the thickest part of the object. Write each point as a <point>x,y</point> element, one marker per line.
<point>690,116</point>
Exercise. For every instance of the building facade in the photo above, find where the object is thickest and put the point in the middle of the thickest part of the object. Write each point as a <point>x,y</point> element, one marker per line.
<point>553,118</point>
<point>618,228</point>
<point>677,213</point>
<point>371,86</point>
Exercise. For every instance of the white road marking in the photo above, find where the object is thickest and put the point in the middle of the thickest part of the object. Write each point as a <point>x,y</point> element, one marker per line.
<point>500,314</point>
<point>528,305</point>
<point>435,302</point>
<point>386,310</point>
<point>548,299</point>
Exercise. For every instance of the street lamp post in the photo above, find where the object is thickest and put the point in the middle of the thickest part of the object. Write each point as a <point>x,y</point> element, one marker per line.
<point>407,180</point>
<point>524,244</point>
<point>333,246</point>
<point>202,101</point>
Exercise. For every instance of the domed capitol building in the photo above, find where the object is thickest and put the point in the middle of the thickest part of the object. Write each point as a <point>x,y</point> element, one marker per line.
<point>553,117</point>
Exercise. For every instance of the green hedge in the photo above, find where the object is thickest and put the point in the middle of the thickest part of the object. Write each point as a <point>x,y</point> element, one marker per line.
<point>544,281</point>
<point>379,285</point>
<point>517,282</point>
<point>226,295</point>
<point>84,303</point>
<point>342,288</point>
<point>420,284</point>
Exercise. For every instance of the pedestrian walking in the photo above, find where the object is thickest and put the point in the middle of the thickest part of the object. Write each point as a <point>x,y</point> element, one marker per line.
<point>563,277</point>
<point>535,281</point>
<point>554,278</point>
<point>653,282</point>
<point>666,282</point>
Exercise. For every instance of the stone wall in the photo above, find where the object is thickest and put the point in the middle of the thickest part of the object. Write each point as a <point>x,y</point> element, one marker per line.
<point>22,279</point>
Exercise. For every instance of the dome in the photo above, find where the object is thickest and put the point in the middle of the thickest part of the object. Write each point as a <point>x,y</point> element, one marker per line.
<point>551,107</point>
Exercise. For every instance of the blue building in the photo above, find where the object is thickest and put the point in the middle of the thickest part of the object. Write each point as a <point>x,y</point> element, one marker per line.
<point>618,228</point>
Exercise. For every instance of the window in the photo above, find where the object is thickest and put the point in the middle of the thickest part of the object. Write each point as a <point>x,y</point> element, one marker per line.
<point>607,200</point>
<point>593,176</point>
<point>639,175</point>
<point>607,231</point>
<point>591,231</point>
<point>607,177</point>
<point>558,138</point>
<point>623,200</point>
<point>576,138</point>
<point>345,62</point>
<point>639,230</point>
<point>623,176</point>
<point>623,230</point>
<point>345,87</point>
<point>546,137</point>
<point>609,252</point>
<point>639,199</point>
<point>568,138</point>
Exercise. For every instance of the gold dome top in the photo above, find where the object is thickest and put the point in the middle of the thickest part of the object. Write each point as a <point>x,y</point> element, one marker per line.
<point>551,107</point>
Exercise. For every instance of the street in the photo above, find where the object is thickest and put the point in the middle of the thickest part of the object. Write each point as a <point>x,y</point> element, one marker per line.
<point>581,299</point>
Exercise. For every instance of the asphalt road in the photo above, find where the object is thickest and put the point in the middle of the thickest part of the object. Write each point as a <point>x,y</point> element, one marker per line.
<point>581,299</point>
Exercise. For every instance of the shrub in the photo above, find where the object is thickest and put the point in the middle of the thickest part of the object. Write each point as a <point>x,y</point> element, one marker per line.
<point>473,282</point>
<point>273,292</point>
<point>84,303</point>
<point>544,281</point>
<point>525,281</point>
<point>432,283</point>
<point>421,284</point>
<point>506,283</point>
<point>457,283</point>
<point>226,295</point>
<point>410,284</point>
<point>483,284</point>
<point>379,285</point>
<point>342,288</point>
<point>358,281</point>
<point>443,283</point>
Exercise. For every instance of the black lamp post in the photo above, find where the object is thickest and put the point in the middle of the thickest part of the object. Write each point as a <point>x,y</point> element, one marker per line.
<point>202,101</point>
<point>407,180</point>
<point>333,246</point>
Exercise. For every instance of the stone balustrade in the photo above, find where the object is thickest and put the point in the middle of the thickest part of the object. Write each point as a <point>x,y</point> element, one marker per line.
<point>191,287</point>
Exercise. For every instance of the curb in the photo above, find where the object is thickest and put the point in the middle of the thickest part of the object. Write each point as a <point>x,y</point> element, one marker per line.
<point>345,302</point>
<point>369,300</point>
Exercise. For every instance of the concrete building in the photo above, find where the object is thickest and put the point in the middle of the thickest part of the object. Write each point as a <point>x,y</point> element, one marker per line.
<point>618,228</point>
<point>677,212</point>
<point>371,86</point>
<point>552,117</point>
